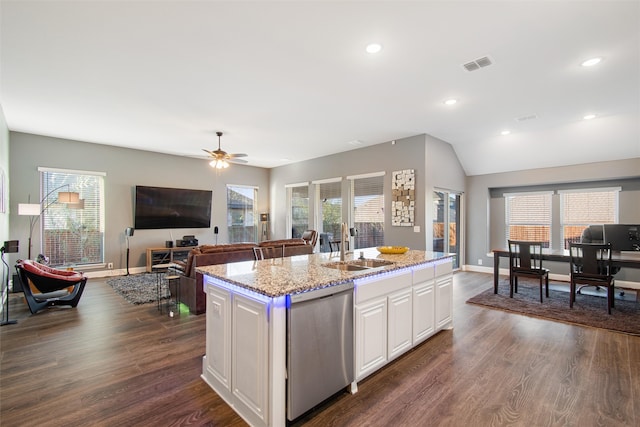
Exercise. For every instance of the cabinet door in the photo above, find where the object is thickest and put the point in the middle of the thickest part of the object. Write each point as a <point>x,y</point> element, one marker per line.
<point>444,301</point>
<point>400,320</point>
<point>218,341</point>
<point>424,320</point>
<point>250,351</point>
<point>371,336</point>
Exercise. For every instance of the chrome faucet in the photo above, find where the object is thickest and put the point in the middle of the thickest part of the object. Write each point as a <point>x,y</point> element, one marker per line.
<point>343,240</point>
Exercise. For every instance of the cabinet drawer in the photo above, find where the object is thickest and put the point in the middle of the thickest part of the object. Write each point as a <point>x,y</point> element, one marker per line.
<point>368,289</point>
<point>421,275</point>
<point>444,268</point>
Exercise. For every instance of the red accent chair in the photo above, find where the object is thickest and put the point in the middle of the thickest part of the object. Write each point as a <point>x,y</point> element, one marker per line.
<point>55,287</point>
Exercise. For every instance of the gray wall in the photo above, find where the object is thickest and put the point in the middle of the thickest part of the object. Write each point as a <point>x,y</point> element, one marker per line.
<point>124,169</point>
<point>428,156</point>
<point>485,215</point>
<point>5,174</point>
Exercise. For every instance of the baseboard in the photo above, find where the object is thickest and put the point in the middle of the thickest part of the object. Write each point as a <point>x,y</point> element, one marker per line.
<point>114,272</point>
<point>624,284</point>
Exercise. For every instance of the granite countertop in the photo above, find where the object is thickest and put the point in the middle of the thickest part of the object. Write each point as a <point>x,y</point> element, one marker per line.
<point>292,275</point>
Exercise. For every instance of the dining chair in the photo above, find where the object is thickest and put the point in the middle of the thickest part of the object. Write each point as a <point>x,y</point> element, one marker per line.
<point>525,260</point>
<point>268,252</point>
<point>591,266</point>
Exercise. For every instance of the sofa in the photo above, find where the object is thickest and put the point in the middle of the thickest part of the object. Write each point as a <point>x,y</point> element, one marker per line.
<point>191,292</point>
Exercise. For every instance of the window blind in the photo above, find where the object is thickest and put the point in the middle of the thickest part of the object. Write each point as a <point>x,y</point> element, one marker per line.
<point>299,210</point>
<point>528,217</point>
<point>73,234</point>
<point>368,211</point>
<point>242,213</point>
<point>580,209</point>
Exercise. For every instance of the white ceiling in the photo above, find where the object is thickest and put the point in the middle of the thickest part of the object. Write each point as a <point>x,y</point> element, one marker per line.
<point>292,79</point>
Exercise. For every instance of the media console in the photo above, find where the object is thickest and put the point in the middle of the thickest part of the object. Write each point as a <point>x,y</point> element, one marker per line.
<point>166,255</point>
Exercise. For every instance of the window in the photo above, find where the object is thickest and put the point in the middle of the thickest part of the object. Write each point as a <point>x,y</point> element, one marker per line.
<point>242,213</point>
<point>368,210</point>
<point>446,223</point>
<point>330,211</point>
<point>580,208</point>
<point>528,217</point>
<point>299,209</point>
<point>73,233</point>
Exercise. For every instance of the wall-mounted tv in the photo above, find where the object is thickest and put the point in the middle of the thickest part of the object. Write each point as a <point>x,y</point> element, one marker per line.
<point>159,207</point>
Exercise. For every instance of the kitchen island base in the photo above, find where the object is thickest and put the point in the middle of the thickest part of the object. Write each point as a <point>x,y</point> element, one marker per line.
<point>394,310</point>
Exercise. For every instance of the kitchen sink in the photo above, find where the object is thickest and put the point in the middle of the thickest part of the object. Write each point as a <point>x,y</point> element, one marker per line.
<point>357,264</point>
<point>371,263</point>
<point>345,266</point>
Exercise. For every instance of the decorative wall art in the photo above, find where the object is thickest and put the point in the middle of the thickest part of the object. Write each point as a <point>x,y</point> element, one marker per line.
<point>403,187</point>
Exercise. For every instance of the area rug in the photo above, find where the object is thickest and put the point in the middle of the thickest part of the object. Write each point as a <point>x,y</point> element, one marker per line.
<point>587,310</point>
<point>137,288</point>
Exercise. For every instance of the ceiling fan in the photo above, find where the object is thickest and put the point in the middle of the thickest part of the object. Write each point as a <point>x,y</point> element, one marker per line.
<point>221,159</point>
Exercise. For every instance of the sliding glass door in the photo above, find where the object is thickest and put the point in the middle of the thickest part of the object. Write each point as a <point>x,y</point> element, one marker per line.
<point>446,223</point>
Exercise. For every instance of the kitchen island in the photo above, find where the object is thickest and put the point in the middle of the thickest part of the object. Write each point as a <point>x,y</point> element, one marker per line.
<point>396,306</point>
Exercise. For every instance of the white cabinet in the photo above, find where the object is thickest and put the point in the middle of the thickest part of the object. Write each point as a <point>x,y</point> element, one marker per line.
<point>218,349</point>
<point>444,295</point>
<point>250,369</point>
<point>236,364</point>
<point>399,333</point>
<point>396,312</point>
<point>371,336</point>
<point>424,324</point>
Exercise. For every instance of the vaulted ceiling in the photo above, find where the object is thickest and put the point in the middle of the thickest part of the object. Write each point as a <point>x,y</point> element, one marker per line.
<point>290,81</point>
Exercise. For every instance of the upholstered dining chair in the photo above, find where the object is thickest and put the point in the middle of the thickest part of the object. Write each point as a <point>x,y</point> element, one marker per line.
<point>591,266</point>
<point>525,260</point>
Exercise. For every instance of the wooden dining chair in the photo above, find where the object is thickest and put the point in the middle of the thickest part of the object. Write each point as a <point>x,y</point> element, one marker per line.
<point>591,266</point>
<point>525,260</point>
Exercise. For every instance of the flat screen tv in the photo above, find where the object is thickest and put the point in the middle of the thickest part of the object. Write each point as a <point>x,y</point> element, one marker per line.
<point>159,207</point>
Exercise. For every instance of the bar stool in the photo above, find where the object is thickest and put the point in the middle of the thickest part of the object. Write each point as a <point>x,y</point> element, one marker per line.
<point>160,270</point>
<point>173,281</point>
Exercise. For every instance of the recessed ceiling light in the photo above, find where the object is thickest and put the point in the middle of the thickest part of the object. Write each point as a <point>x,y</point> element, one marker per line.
<point>374,48</point>
<point>591,62</point>
<point>450,101</point>
<point>589,116</point>
<point>505,132</point>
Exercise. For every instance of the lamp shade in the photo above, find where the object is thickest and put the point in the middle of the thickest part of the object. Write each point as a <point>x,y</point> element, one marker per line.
<point>32,209</point>
<point>79,205</point>
<point>264,217</point>
<point>68,197</point>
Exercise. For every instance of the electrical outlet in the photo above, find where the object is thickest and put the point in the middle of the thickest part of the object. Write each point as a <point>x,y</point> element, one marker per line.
<point>110,266</point>
<point>479,261</point>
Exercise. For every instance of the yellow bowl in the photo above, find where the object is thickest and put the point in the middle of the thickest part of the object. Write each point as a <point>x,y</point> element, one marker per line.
<point>392,249</point>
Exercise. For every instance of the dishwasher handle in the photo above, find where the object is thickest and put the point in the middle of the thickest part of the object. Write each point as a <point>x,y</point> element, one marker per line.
<point>320,293</point>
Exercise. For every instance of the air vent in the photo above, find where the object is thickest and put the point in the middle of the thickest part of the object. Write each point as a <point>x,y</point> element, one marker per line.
<point>476,64</point>
<point>525,118</point>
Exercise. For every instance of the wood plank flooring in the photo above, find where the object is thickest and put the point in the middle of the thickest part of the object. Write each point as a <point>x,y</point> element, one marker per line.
<point>110,363</point>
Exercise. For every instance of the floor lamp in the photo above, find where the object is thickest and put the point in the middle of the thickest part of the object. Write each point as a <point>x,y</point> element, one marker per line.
<point>34,210</point>
<point>10,246</point>
<point>128,232</point>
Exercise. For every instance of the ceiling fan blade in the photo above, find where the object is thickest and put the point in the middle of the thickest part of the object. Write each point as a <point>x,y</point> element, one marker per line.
<point>237,155</point>
<point>207,151</point>
<point>239,161</point>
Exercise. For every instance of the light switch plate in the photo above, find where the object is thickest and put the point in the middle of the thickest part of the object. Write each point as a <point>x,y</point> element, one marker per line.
<point>416,228</point>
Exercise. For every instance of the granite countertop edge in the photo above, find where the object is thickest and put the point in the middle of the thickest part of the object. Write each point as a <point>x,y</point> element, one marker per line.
<point>295,276</point>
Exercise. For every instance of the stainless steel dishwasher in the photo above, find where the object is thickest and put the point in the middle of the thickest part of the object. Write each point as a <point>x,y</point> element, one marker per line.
<point>319,346</point>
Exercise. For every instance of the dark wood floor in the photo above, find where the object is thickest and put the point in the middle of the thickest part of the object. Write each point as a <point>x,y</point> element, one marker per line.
<point>109,363</point>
